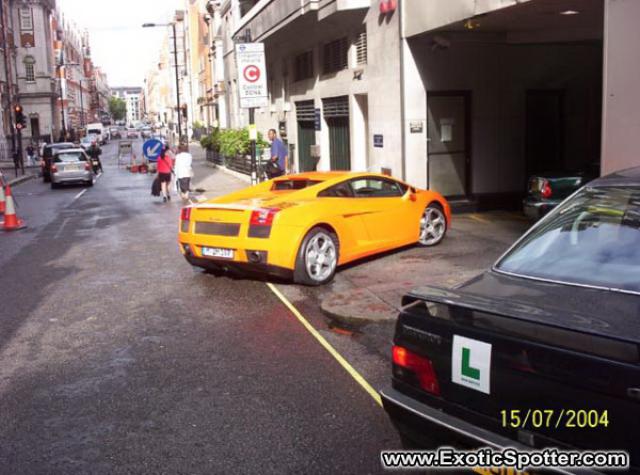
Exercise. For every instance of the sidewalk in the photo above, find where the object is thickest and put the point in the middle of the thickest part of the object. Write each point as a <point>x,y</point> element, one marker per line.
<point>370,291</point>
<point>214,181</point>
<point>8,172</point>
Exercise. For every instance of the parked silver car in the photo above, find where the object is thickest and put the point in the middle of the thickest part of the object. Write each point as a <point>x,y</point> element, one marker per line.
<point>71,166</point>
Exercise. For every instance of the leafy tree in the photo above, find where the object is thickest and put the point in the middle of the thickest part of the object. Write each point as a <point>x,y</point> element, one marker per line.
<point>118,108</point>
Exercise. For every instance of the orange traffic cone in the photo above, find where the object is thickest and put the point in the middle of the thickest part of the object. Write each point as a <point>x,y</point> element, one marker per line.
<point>11,220</point>
<point>2,200</point>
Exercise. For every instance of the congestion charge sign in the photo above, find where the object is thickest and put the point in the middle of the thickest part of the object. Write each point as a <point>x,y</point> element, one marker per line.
<point>252,77</point>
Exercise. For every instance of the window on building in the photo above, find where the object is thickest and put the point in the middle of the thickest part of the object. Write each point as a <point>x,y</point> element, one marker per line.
<point>246,5</point>
<point>303,65</point>
<point>29,69</point>
<point>335,56</point>
<point>361,48</point>
<point>26,19</point>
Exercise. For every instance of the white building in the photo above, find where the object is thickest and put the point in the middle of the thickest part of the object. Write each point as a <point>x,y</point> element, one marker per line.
<point>467,97</point>
<point>135,101</point>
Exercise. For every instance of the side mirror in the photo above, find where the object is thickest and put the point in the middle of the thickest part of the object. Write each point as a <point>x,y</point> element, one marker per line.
<point>412,196</point>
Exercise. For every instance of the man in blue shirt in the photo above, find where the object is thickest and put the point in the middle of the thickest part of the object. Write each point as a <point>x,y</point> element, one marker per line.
<point>279,155</point>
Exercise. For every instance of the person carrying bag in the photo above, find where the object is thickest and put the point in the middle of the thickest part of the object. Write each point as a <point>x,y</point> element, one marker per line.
<point>165,169</point>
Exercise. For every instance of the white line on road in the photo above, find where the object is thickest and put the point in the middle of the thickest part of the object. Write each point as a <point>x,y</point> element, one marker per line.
<point>59,233</point>
<point>78,195</point>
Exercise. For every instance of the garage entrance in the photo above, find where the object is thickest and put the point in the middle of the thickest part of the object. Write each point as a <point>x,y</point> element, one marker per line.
<point>531,100</point>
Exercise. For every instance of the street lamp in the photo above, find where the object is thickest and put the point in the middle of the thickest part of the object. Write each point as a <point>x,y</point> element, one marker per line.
<point>175,59</point>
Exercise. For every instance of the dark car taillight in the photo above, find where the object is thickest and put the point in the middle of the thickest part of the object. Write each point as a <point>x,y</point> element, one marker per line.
<point>545,189</point>
<point>87,166</point>
<point>54,169</point>
<point>415,369</point>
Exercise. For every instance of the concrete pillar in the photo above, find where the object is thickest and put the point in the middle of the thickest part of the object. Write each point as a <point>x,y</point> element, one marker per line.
<point>415,124</point>
<point>621,96</point>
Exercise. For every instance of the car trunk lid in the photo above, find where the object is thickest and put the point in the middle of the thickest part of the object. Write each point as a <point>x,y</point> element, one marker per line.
<point>512,368</point>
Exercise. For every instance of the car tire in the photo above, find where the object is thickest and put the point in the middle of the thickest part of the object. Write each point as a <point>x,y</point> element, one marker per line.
<point>46,178</point>
<point>89,183</point>
<point>318,240</point>
<point>433,225</point>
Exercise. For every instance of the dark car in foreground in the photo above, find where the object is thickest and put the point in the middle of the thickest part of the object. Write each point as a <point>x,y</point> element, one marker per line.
<point>545,191</point>
<point>47,154</point>
<point>543,349</point>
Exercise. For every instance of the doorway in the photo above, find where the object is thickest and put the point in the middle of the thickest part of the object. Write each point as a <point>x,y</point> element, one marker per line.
<point>448,143</point>
<point>35,128</point>
<point>305,115</point>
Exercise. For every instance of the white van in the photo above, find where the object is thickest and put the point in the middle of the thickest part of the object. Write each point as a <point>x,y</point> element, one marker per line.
<point>98,129</point>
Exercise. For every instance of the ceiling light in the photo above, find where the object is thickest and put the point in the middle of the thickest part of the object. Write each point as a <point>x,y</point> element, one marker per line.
<point>569,12</point>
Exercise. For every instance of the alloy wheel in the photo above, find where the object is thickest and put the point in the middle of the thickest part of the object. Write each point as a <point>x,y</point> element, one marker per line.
<point>320,257</point>
<point>433,225</point>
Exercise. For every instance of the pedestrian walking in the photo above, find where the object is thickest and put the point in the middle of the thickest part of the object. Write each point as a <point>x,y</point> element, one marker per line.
<point>165,169</point>
<point>94,153</point>
<point>31,155</point>
<point>279,162</point>
<point>184,171</point>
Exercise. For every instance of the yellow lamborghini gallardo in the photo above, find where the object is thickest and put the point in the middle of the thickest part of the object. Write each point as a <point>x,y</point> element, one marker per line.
<point>304,226</point>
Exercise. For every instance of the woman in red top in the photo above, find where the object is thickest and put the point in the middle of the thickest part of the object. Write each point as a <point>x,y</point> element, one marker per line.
<point>165,168</point>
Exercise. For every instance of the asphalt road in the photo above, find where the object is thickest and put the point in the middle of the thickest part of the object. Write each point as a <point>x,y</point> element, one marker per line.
<point>118,357</point>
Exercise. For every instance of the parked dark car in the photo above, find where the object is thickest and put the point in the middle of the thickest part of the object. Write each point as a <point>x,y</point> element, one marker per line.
<point>553,326</point>
<point>545,191</point>
<point>47,153</point>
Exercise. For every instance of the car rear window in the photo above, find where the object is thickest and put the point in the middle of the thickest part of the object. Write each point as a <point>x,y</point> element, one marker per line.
<point>70,157</point>
<point>592,239</point>
<point>298,184</point>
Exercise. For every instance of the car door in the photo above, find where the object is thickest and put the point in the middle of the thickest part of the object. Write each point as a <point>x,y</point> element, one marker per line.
<point>346,216</point>
<point>388,210</point>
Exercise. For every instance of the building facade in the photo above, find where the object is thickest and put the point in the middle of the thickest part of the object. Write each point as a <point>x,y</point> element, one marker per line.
<point>465,97</point>
<point>134,98</point>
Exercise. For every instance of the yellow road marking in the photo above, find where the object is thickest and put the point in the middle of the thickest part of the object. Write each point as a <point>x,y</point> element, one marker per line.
<point>327,346</point>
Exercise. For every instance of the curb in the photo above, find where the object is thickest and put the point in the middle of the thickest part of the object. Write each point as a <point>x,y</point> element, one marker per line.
<point>20,179</point>
<point>357,308</point>
<point>239,176</point>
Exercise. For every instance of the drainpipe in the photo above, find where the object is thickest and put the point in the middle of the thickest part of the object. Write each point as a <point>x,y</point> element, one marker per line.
<point>403,137</point>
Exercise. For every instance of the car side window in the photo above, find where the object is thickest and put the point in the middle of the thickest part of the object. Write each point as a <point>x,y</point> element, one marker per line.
<point>374,187</point>
<point>341,190</point>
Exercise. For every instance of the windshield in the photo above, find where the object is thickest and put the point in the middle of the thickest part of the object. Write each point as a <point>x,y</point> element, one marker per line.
<point>592,239</point>
<point>70,157</point>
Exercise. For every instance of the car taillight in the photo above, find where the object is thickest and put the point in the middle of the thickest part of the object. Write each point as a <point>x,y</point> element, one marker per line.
<point>54,169</point>
<point>417,367</point>
<point>546,190</point>
<point>185,214</point>
<point>263,216</point>
<point>87,166</point>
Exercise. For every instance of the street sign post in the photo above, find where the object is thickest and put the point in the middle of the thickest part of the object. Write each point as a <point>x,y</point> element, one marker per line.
<point>252,84</point>
<point>252,75</point>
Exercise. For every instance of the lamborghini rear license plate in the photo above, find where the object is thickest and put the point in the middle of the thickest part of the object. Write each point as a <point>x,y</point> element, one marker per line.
<point>217,252</point>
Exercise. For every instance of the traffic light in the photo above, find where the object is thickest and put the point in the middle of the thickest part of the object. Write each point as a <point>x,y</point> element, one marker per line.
<point>21,121</point>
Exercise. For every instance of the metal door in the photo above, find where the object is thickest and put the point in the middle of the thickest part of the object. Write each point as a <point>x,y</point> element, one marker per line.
<point>336,113</point>
<point>449,157</point>
<point>305,113</point>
